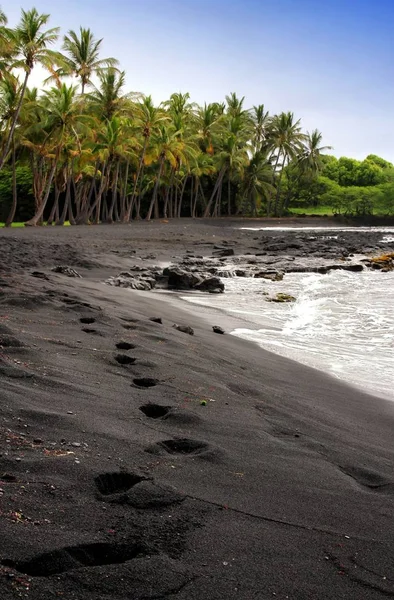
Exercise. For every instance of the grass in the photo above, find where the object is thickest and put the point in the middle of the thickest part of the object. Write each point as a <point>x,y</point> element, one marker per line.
<point>18,224</point>
<point>319,211</point>
<point>313,210</point>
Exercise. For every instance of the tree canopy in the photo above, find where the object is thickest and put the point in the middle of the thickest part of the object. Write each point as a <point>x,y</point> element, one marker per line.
<point>83,149</point>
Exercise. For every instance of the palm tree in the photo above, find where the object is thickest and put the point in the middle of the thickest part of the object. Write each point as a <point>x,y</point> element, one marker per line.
<point>261,126</point>
<point>107,99</point>
<point>286,142</point>
<point>309,159</point>
<point>83,55</point>
<point>170,148</point>
<point>31,43</point>
<point>148,121</point>
<point>256,182</point>
<point>306,165</point>
<point>235,105</point>
<point>7,45</point>
<point>9,96</point>
<point>202,165</point>
<point>230,158</point>
<point>62,122</point>
<point>208,124</point>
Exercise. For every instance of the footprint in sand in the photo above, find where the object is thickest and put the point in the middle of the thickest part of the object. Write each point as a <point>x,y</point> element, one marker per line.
<point>125,346</point>
<point>91,331</point>
<point>75,557</point>
<point>145,382</point>
<point>124,360</point>
<point>371,480</point>
<point>135,490</point>
<point>186,447</point>
<point>155,411</point>
<point>113,483</point>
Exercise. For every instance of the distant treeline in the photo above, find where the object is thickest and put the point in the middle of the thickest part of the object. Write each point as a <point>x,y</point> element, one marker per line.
<point>92,152</point>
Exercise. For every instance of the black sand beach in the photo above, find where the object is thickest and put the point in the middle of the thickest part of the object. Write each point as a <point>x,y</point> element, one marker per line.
<point>139,462</point>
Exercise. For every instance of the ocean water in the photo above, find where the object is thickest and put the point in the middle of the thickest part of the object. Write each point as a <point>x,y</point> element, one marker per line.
<point>341,323</point>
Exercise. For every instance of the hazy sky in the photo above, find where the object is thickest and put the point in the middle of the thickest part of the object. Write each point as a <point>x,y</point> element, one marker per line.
<point>331,62</point>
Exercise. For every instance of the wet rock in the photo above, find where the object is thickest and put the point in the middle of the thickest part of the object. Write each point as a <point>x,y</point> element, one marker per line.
<point>223,252</point>
<point>211,284</point>
<point>218,329</point>
<point>64,270</point>
<point>184,329</point>
<point>39,275</point>
<point>180,279</point>
<point>280,297</point>
<point>127,280</point>
<point>271,275</point>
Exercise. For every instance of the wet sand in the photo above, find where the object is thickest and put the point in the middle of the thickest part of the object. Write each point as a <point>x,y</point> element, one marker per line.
<point>139,462</point>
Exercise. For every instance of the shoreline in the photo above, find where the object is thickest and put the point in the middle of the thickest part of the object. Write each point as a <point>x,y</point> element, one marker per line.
<point>231,322</point>
<point>247,476</point>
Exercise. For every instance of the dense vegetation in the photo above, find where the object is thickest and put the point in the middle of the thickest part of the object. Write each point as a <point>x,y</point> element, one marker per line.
<point>91,152</point>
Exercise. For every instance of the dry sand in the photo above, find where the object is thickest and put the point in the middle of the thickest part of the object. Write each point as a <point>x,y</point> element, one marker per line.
<point>118,483</point>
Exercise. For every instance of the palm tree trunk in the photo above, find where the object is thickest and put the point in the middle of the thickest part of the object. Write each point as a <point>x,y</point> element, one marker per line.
<point>110,215</point>
<point>55,207</point>
<point>273,179</point>
<point>39,214</point>
<point>62,219</point>
<point>168,197</point>
<point>11,216</point>
<point>156,188</point>
<point>194,199</point>
<point>207,211</point>
<point>191,197</point>
<point>123,211</point>
<point>181,196</point>
<point>229,194</point>
<point>277,199</point>
<point>137,177</point>
<point>96,206</point>
<point>14,122</point>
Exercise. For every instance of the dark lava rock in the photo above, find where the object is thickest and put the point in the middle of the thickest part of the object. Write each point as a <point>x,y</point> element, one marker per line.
<point>184,329</point>
<point>39,275</point>
<point>211,284</point>
<point>223,252</point>
<point>218,329</point>
<point>64,270</point>
<point>180,279</point>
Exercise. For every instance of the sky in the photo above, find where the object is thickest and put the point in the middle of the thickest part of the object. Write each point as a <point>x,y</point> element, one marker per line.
<point>331,62</point>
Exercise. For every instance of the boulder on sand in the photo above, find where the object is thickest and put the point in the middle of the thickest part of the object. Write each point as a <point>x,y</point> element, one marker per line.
<point>211,284</point>
<point>179,279</point>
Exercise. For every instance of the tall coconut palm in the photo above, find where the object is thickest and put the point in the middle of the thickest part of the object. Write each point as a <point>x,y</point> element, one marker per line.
<point>306,165</point>
<point>7,45</point>
<point>235,105</point>
<point>148,120</point>
<point>83,55</point>
<point>169,148</point>
<point>261,126</point>
<point>285,142</point>
<point>31,47</point>
<point>61,123</point>
<point>208,124</point>
<point>310,158</point>
<point>108,99</point>
<point>230,158</point>
<point>256,182</point>
<point>9,96</point>
<point>179,104</point>
<point>201,165</point>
